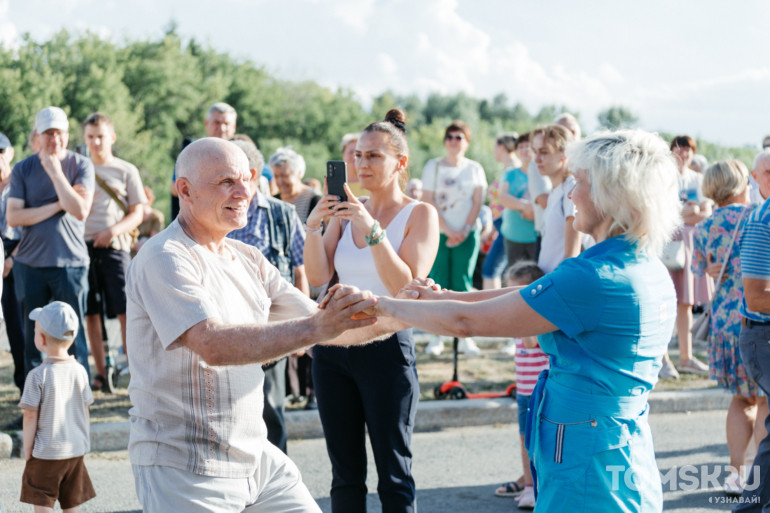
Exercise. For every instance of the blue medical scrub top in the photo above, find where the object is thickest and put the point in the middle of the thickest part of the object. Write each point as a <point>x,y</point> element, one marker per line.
<point>615,311</point>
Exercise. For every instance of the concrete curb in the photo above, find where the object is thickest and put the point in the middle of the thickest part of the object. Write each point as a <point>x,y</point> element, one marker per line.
<point>431,416</point>
<point>436,415</point>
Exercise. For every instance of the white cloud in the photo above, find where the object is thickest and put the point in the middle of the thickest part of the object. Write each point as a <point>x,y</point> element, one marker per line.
<point>731,109</point>
<point>438,50</point>
<point>354,13</point>
<point>9,36</point>
<point>71,5</point>
<point>447,46</point>
<point>387,64</point>
<point>608,73</point>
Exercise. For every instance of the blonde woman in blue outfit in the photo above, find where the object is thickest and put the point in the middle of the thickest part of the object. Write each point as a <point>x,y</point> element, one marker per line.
<point>604,317</point>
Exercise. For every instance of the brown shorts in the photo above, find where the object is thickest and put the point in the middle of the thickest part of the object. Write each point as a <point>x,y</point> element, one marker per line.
<point>45,481</point>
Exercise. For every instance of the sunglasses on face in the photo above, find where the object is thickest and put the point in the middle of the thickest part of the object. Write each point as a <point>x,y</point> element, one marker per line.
<point>453,137</point>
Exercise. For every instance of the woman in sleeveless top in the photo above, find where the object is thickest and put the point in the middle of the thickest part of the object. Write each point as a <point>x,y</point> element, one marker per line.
<point>379,245</point>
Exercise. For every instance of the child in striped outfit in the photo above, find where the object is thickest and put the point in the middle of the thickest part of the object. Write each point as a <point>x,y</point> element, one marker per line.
<point>56,425</point>
<point>530,361</point>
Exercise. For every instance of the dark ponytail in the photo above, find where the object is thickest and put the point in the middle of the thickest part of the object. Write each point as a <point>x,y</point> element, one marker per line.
<point>397,118</point>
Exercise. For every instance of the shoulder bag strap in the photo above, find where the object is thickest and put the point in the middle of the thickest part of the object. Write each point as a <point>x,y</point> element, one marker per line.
<point>111,193</point>
<point>727,258</point>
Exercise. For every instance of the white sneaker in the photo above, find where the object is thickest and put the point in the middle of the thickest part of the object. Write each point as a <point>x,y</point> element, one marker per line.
<point>693,366</point>
<point>435,346</point>
<point>667,370</point>
<point>468,346</point>
<point>527,498</point>
<point>510,348</point>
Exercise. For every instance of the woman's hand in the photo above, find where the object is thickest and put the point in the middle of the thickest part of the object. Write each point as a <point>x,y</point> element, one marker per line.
<point>455,237</point>
<point>420,288</point>
<point>714,268</point>
<point>691,213</point>
<point>339,291</point>
<point>528,212</point>
<point>323,209</point>
<point>355,212</point>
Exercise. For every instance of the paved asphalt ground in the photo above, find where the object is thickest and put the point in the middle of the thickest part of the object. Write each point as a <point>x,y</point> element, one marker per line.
<point>456,469</point>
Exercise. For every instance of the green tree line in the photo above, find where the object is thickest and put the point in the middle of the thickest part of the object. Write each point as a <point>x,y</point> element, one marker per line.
<point>157,91</point>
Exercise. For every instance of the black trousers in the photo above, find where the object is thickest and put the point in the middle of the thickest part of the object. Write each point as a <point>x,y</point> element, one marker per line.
<point>14,329</point>
<point>275,401</point>
<point>375,388</point>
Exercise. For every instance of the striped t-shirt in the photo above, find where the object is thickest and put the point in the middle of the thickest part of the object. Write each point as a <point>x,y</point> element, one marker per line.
<point>58,389</point>
<point>529,364</point>
<point>755,246</point>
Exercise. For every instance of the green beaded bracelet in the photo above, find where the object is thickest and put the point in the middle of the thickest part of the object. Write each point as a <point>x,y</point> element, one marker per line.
<point>378,238</point>
<point>373,235</point>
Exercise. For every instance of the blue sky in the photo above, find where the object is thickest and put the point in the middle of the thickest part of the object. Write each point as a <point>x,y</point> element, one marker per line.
<point>699,68</point>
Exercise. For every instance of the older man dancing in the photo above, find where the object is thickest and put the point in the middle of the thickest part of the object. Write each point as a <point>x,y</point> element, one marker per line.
<point>201,319</point>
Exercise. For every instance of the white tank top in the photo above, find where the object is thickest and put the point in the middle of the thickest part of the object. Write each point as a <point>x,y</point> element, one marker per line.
<point>355,266</point>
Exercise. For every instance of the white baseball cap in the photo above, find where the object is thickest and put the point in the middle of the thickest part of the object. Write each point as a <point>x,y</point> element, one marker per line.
<point>58,319</point>
<point>51,117</point>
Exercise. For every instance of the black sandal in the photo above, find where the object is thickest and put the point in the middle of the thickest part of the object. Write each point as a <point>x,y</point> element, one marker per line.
<point>510,489</point>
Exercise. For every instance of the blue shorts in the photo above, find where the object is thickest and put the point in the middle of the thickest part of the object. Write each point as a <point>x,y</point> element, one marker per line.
<point>523,402</point>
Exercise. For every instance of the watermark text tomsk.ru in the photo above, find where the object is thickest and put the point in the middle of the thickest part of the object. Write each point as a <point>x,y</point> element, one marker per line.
<point>684,478</point>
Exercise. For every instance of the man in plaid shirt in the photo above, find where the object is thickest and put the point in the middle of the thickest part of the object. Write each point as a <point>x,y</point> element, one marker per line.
<point>274,228</point>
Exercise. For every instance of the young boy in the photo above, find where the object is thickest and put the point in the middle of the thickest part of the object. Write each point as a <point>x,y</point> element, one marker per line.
<point>530,361</point>
<point>56,424</point>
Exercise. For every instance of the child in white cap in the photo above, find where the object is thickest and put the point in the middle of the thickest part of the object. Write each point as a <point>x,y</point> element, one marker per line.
<point>56,424</point>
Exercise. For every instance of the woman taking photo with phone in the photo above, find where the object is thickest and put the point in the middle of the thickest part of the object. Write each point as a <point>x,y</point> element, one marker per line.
<point>380,245</point>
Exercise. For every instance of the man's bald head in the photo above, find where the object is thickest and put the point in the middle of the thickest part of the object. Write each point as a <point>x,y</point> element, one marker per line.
<point>213,188</point>
<point>207,154</point>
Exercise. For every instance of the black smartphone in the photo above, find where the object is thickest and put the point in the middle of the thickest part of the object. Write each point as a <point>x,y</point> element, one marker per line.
<point>336,175</point>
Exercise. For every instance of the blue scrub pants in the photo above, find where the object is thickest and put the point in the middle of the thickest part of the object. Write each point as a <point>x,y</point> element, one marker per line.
<point>38,286</point>
<point>594,450</point>
<point>754,344</point>
<point>372,387</point>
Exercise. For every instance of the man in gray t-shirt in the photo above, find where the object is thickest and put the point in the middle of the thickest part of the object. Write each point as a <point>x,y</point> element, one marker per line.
<point>50,197</point>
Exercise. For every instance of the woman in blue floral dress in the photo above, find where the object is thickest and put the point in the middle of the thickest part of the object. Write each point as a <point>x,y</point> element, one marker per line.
<point>726,183</point>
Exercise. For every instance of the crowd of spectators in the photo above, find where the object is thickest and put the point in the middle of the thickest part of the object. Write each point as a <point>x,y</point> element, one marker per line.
<point>72,221</point>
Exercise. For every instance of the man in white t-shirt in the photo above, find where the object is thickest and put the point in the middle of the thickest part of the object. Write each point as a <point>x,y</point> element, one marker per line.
<point>204,312</point>
<point>108,236</point>
<point>560,240</point>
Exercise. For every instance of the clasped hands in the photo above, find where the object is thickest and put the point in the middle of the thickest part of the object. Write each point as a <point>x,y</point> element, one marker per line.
<point>363,305</point>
